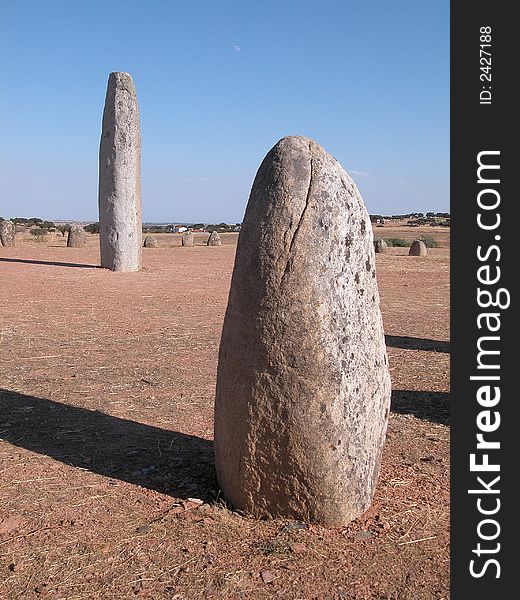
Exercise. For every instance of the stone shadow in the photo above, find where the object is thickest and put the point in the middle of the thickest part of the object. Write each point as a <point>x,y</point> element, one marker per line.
<point>413,343</point>
<point>430,406</point>
<point>27,261</point>
<point>169,462</point>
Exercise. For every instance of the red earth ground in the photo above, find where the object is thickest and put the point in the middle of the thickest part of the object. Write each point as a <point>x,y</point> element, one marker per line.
<point>106,419</point>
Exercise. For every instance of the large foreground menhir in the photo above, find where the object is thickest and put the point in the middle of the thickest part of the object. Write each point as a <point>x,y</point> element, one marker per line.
<point>303,388</point>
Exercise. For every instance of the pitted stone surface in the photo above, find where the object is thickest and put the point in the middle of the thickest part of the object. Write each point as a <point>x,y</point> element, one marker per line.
<point>120,177</point>
<point>214,239</point>
<point>303,387</point>
<point>380,246</point>
<point>150,242</point>
<point>7,233</point>
<point>418,248</point>
<point>76,237</point>
<point>187,238</point>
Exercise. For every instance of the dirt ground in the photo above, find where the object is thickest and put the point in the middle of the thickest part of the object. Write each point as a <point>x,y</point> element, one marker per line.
<point>106,405</point>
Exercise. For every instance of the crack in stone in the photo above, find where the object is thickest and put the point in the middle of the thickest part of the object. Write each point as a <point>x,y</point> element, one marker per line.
<point>290,256</point>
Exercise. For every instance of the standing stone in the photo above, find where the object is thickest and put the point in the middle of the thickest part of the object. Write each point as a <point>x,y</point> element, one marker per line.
<point>120,223</point>
<point>418,248</point>
<point>77,237</point>
<point>7,233</point>
<point>187,238</point>
<point>380,246</point>
<point>214,239</point>
<point>150,242</point>
<point>303,387</point>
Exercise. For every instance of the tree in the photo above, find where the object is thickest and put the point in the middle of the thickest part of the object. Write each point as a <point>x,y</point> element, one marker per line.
<point>39,234</point>
<point>63,229</point>
<point>92,228</point>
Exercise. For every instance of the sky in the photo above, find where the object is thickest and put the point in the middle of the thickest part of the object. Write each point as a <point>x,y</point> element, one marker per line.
<point>218,84</point>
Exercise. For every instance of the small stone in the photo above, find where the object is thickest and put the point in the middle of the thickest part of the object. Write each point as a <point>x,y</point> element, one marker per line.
<point>418,248</point>
<point>214,239</point>
<point>364,535</point>
<point>196,501</point>
<point>76,237</point>
<point>189,504</point>
<point>150,242</point>
<point>187,238</point>
<point>380,246</point>
<point>7,234</point>
<point>267,576</point>
<point>298,548</point>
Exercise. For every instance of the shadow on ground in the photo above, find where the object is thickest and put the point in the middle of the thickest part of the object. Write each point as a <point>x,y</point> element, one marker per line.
<point>430,406</point>
<point>166,461</point>
<point>169,462</point>
<point>413,343</point>
<point>48,263</point>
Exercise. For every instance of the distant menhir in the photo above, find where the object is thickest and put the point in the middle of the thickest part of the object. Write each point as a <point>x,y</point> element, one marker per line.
<point>150,242</point>
<point>214,239</point>
<point>7,233</point>
<point>77,237</point>
<point>380,245</point>
<point>418,248</point>
<point>187,238</point>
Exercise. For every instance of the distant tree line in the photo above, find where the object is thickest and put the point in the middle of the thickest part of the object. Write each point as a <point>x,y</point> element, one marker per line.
<point>414,215</point>
<point>92,228</point>
<point>222,227</point>
<point>432,221</point>
<point>33,221</point>
<point>149,228</point>
<point>41,227</point>
<point>415,219</point>
<point>394,242</point>
<point>209,227</point>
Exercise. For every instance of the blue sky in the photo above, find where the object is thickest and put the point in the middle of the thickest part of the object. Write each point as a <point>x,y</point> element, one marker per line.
<point>218,83</point>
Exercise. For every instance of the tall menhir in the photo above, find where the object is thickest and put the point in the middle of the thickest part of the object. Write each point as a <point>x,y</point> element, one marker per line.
<point>120,225</point>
